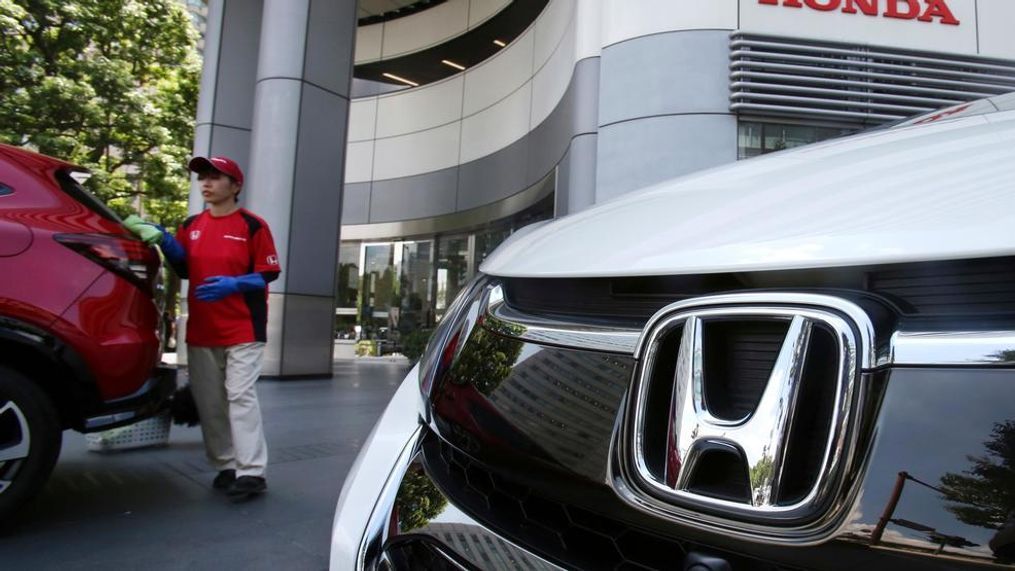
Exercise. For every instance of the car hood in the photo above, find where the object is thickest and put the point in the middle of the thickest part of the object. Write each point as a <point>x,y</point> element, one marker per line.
<point>936,191</point>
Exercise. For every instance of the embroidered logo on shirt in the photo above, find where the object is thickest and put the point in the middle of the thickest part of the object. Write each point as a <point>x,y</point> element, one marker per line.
<point>195,234</point>
<point>272,260</point>
<point>237,238</point>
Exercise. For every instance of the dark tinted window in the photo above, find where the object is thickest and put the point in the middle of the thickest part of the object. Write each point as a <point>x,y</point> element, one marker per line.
<point>78,193</point>
<point>5,190</point>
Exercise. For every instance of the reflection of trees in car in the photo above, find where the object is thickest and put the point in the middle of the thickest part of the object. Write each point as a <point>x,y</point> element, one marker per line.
<point>486,361</point>
<point>418,500</point>
<point>984,494</point>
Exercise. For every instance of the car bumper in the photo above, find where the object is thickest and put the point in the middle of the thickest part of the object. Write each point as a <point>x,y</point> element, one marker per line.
<point>150,399</point>
<point>380,519</point>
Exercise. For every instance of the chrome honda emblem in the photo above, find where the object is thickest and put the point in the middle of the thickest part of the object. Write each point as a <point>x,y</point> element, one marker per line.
<point>666,471</point>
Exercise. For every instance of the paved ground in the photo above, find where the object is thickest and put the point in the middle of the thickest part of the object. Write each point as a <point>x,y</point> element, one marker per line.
<point>154,509</point>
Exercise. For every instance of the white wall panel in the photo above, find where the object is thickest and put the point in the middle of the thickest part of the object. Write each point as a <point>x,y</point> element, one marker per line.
<point>996,26</point>
<point>497,77</point>
<point>482,10</point>
<point>368,43</point>
<point>589,28</point>
<point>417,153</point>
<point>359,161</point>
<point>862,29</point>
<point>362,118</point>
<point>417,109</point>
<point>496,127</point>
<point>624,19</point>
<point>550,28</point>
<point>426,28</point>
<point>550,82</point>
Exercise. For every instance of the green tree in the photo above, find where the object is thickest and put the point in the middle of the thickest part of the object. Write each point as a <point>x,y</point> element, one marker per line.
<point>418,500</point>
<point>486,361</point>
<point>110,85</point>
<point>984,494</point>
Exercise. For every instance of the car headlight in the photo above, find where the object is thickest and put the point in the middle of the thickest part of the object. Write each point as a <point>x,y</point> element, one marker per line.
<point>448,339</point>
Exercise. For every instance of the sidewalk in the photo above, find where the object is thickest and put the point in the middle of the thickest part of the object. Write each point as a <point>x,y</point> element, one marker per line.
<point>154,508</point>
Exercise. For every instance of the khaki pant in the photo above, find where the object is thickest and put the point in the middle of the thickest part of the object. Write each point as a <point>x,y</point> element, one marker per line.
<point>222,381</point>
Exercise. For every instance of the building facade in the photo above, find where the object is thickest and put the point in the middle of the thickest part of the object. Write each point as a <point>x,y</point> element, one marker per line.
<point>469,119</point>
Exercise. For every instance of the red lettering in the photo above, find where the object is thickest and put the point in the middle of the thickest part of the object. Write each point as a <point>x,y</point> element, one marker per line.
<point>892,11</point>
<point>940,9</point>
<point>943,114</point>
<point>868,7</point>
<point>900,9</point>
<point>824,5</point>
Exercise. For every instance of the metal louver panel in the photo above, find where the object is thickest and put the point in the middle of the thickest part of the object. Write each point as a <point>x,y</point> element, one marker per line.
<point>860,84</point>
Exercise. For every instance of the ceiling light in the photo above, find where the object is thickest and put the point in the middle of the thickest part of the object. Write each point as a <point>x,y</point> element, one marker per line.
<point>402,79</point>
<point>453,64</point>
<point>499,43</point>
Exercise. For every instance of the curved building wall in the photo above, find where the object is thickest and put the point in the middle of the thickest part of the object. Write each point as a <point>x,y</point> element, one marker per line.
<point>478,137</point>
<point>619,95</point>
<point>417,32</point>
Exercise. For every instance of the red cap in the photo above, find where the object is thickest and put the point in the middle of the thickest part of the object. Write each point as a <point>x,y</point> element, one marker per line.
<point>223,165</point>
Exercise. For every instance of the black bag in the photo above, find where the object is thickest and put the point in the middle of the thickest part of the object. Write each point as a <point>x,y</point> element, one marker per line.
<point>183,408</point>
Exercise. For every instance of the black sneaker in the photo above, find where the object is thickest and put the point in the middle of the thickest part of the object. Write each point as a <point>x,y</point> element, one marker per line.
<point>246,487</point>
<point>224,479</point>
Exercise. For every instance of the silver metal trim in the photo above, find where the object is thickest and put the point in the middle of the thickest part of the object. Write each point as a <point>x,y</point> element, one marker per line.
<point>756,55</point>
<point>905,348</point>
<point>757,86</point>
<point>508,322</point>
<point>371,546</point>
<point>777,301</point>
<point>966,61</point>
<point>924,348</point>
<point>759,436</point>
<point>846,83</point>
<point>857,82</point>
<point>15,452</point>
<point>781,98</point>
<point>762,521</point>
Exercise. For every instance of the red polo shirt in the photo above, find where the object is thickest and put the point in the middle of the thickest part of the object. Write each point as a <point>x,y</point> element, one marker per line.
<point>232,245</point>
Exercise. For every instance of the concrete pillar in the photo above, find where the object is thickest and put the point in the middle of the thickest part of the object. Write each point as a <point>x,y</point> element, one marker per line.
<point>297,164</point>
<point>275,97</point>
<point>225,106</point>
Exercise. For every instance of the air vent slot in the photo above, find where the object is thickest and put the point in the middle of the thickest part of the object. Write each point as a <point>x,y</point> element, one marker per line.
<point>660,395</point>
<point>720,474</point>
<point>812,417</point>
<point>738,357</point>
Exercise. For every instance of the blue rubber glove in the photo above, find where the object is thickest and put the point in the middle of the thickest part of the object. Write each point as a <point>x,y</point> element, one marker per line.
<point>215,288</point>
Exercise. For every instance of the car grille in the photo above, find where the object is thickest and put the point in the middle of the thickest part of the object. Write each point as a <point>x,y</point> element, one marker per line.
<point>949,288</point>
<point>562,532</point>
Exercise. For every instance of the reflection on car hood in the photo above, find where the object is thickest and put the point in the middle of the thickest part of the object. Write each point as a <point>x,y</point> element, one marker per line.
<point>940,190</point>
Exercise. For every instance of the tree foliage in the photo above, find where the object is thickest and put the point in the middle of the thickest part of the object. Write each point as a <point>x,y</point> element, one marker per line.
<point>984,494</point>
<point>110,85</point>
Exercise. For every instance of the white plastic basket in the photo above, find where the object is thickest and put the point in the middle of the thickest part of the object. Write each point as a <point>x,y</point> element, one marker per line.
<point>150,432</point>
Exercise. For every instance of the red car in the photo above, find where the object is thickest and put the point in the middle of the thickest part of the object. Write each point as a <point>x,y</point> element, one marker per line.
<point>79,322</point>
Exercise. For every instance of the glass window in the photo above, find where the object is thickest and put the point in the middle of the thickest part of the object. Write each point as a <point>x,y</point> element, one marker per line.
<point>377,289</point>
<point>413,309</point>
<point>348,274</point>
<point>488,240</point>
<point>452,270</point>
<point>757,138</point>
